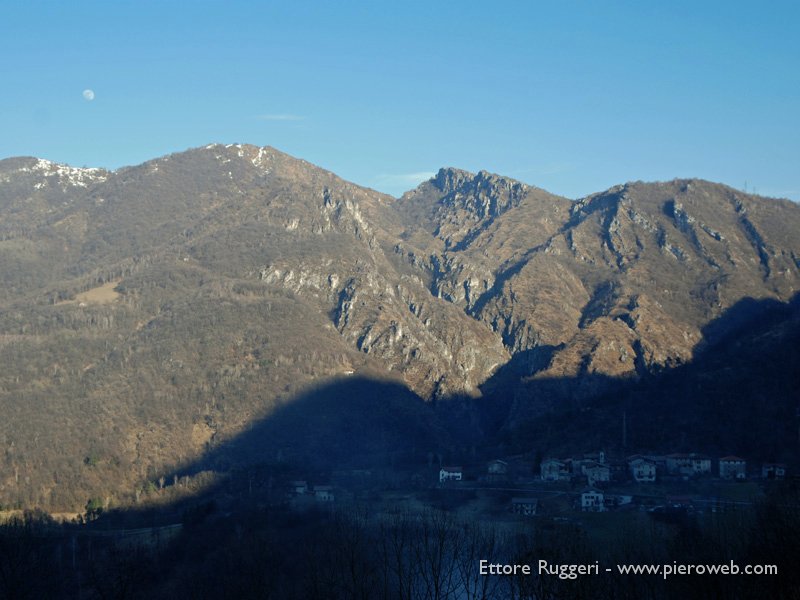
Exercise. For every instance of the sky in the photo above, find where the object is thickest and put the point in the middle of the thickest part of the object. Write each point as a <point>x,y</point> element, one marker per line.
<point>573,97</point>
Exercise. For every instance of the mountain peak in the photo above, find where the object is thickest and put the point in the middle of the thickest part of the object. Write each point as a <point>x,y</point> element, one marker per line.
<point>451,179</point>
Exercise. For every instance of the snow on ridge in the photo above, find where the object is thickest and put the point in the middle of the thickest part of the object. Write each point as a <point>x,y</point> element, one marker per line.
<point>67,175</point>
<point>260,159</point>
<point>259,156</point>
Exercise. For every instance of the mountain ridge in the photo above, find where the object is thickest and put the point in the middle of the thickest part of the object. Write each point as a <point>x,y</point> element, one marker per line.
<point>157,310</point>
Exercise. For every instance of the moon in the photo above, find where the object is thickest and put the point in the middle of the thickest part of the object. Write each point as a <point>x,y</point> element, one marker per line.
<point>88,95</point>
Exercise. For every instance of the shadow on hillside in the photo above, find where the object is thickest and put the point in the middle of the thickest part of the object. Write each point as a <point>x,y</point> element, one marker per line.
<point>355,422</point>
<point>238,538</point>
<point>746,315</point>
<point>739,396</point>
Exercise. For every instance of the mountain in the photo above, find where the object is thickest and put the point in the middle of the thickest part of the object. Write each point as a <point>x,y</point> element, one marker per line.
<point>153,314</point>
<point>622,278</point>
<point>738,394</point>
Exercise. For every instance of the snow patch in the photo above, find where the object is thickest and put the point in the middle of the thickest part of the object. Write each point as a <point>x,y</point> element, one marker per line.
<point>261,159</point>
<point>67,176</point>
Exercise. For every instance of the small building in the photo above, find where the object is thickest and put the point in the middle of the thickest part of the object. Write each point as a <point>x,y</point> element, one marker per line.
<point>524,506</point>
<point>688,464</point>
<point>701,465</point>
<point>323,493</point>
<point>497,470</point>
<point>596,473</point>
<point>732,467</point>
<point>773,471</point>
<point>592,500</point>
<point>553,469</point>
<point>642,470</point>
<point>497,467</point>
<point>450,474</point>
<point>617,500</point>
<point>299,487</point>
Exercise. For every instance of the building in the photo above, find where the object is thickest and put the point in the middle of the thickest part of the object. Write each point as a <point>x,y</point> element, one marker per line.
<point>701,465</point>
<point>592,500</point>
<point>323,493</point>
<point>617,500</point>
<point>497,470</point>
<point>773,471</point>
<point>732,467</point>
<point>524,506</point>
<point>299,487</point>
<point>596,473</point>
<point>553,469</point>
<point>497,467</point>
<point>642,469</point>
<point>450,474</point>
<point>688,465</point>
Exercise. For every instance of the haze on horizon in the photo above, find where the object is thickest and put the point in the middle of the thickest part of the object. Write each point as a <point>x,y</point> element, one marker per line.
<point>571,99</point>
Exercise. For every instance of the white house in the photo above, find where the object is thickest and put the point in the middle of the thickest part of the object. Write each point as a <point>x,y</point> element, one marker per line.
<point>701,464</point>
<point>617,500</point>
<point>596,472</point>
<point>450,474</point>
<point>524,506</point>
<point>776,471</point>
<point>497,467</point>
<point>553,469</point>
<point>299,487</point>
<point>592,501</point>
<point>732,467</point>
<point>642,470</point>
<point>323,493</point>
<point>688,464</point>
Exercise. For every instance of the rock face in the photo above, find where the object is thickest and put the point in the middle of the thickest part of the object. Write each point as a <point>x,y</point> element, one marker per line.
<point>618,281</point>
<point>149,314</point>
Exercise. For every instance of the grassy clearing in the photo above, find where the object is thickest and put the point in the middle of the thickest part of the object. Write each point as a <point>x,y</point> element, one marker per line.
<point>103,294</point>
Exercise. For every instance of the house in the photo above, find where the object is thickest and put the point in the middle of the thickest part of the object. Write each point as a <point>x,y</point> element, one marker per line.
<point>596,472</point>
<point>617,500</point>
<point>701,465</point>
<point>323,493</point>
<point>642,469</point>
<point>497,470</point>
<point>450,474</point>
<point>579,464</point>
<point>553,469</point>
<point>687,464</point>
<point>732,467</point>
<point>497,467</point>
<point>524,506</point>
<point>299,487</point>
<point>678,464</point>
<point>773,471</point>
<point>592,500</point>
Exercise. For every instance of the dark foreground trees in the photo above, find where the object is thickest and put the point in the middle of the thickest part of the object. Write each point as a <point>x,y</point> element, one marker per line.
<point>414,555</point>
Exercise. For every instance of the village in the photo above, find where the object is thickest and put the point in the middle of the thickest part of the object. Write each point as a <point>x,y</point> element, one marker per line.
<point>517,487</point>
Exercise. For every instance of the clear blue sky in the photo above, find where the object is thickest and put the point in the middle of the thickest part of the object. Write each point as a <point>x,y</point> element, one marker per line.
<point>570,96</point>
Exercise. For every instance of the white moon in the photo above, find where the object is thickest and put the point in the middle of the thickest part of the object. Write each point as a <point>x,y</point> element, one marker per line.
<point>88,95</point>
